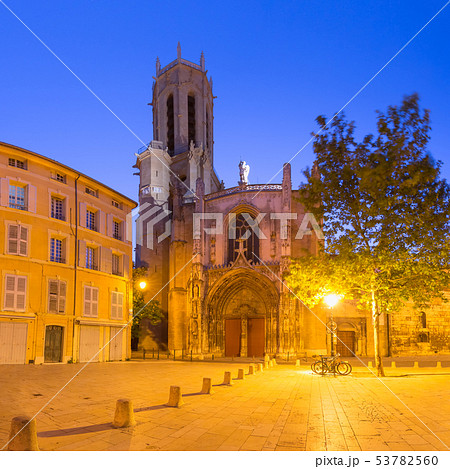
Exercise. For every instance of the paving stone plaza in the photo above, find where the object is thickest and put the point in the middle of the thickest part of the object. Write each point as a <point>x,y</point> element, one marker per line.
<point>284,408</point>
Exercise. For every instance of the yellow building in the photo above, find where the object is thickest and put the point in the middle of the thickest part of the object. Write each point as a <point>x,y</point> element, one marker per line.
<point>65,263</point>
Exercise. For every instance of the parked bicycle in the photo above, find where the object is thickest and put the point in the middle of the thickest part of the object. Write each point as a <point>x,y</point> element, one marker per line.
<point>331,365</point>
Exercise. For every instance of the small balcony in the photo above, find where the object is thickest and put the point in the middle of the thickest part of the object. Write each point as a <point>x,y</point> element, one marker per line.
<point>18,206</point>
<point>58,259</point>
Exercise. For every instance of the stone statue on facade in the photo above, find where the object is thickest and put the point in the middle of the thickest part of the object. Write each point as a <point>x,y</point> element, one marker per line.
<point>244,169</point>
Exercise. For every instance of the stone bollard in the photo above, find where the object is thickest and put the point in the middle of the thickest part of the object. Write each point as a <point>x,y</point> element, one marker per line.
<point>175,397</point>
<point>438,365</point>
<point>274,362</point>
<point>26,440</point>
<point>207,386</point>
<point>370,365</point>
<point>297,362</point>
<point>124,415</point>
<point>260,367</point>
<point>251,370</point>
<point>241,374</point>
<point>271,363</point>
<point>416,365</point>
<point>266,358</point>
<point>227,378</point>
<point>393,365</point>
<point>266,365</point>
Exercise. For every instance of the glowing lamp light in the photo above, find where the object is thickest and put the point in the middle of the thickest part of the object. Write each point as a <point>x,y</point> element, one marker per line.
<point>331,300</point>
<point>142,284</point>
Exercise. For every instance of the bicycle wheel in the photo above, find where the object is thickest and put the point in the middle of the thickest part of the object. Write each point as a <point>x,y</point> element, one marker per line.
<point>319,368</point>
<point>344,368</point>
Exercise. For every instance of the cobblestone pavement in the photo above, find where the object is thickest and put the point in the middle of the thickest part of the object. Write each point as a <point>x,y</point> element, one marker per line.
<point>283,408</point>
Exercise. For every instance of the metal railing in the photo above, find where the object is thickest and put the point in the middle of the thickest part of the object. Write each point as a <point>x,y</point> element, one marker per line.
<point>18,206</point>
<point>60,260</point>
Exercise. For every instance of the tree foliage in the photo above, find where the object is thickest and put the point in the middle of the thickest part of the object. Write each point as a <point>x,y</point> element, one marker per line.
<point>142,309</point>
<point>385,211</point>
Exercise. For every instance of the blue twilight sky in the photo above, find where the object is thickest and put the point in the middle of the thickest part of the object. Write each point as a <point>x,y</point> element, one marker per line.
<point>276,65</point>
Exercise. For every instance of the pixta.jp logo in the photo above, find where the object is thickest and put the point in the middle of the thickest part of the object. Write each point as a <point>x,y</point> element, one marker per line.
<point>232,226</point>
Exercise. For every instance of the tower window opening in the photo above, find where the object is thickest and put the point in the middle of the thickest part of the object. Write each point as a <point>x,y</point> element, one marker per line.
<point>423,320</point>
<point>207,129</point>
<point>250,243</point>
<point>170,126</point>
<point>191,119</point>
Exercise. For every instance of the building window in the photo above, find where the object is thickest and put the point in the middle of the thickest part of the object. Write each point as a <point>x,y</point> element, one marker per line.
<point>57,250</point>
<point>57,210</point>
<point>91,258</point>
<point>156,173</point>
<point>60,177</point>
<point>116,305</point>
<point>56,296</point>
<point>117,230</point>
<point>90,220</point>
<point>170,126</point>
<point>116,204</point>
<point>21,164</point>
<point>191,119</point>
<point>91,191</point>
<point>90,301</point>
<point>15,292</point>
<point>17,240</point>
<point>423,320</point>
<point>116,269</point>
<point>17,197</point>
<point>248,238</point>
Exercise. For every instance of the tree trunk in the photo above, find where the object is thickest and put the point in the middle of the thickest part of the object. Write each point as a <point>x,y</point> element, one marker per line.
<point>376,336</point>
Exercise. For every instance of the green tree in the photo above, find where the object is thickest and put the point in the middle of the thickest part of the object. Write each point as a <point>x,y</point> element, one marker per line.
<point>142,309</point>
<point>385,212</point>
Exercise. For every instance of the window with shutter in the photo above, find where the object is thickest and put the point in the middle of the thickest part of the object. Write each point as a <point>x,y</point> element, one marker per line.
<point>116,305</point>
<point>62,297</point>
<point>13,239</point>
<point>53,296</point>
<point>113,305</point>
<point>56,296</point>
<point>23,244</point>
<point>94,300</point>
<point>17,240</point>
<point>15,293</point>
<point>87,301</point>
<point>90,301</point>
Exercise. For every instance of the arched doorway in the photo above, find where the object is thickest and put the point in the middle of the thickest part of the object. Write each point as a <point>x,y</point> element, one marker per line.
<point>242,314</point>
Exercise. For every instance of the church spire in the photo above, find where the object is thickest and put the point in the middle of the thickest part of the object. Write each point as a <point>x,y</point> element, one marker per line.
<point>202,61</point>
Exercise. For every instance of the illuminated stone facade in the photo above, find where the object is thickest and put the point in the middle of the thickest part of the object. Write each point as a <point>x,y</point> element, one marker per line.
<point>223,296</point>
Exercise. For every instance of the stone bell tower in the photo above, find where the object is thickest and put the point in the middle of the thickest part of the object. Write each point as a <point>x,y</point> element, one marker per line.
<point>183,119</point>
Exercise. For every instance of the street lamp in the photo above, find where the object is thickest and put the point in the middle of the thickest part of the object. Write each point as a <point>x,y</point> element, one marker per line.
<point>331,300</point>
<point>142,284</point>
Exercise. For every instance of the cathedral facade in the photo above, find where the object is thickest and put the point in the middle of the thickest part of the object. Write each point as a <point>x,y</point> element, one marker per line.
<point>216,256</point>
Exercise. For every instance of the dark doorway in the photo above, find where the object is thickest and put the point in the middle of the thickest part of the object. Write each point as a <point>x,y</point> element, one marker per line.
<point>255,337</point>
<point>232,337</point>
<point>53,344</point>
<point>345,343</point>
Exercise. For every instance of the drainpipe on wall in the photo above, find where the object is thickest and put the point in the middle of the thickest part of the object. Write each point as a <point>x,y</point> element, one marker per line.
<point>75,268</point>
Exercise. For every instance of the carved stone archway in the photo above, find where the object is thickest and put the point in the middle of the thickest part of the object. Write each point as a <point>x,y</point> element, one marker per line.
<point>244,295</point>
